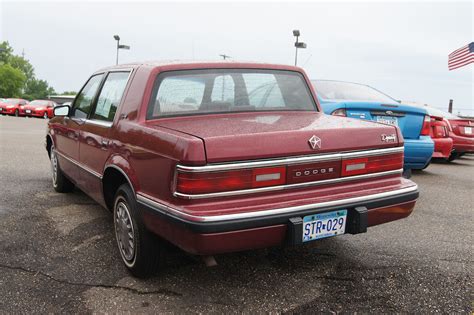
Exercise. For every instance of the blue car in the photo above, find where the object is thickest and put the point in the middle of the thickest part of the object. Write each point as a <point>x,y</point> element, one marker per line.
<point>364,102</point>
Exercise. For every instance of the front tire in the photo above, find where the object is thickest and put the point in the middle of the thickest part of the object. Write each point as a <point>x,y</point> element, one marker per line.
<point>45,116</point>
<point>17,113</point>
<point>138,248</point>
<point>60,182</point>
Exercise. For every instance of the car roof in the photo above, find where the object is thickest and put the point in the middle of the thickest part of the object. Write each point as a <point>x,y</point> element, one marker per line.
<point>196,64</point>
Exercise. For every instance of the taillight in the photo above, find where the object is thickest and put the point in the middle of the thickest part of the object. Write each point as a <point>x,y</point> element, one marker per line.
<point>211,182</point>
<point>339,112</point>
<point>372,164</point>
<point>425,131</point>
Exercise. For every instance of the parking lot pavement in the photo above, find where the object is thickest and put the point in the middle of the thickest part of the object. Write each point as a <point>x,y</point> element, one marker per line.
<point>57,253</point>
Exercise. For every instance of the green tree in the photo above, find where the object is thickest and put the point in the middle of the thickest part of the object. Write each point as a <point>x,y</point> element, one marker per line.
<point>6,52</point>
<point>12,81</point>
<point>38,89</point>
<point>69,93</point>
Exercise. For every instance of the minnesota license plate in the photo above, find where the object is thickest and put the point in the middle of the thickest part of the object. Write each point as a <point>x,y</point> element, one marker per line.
<point>387,120</point>
<point>324,225</point>
<point>28,111</point>
<point>468,130</point>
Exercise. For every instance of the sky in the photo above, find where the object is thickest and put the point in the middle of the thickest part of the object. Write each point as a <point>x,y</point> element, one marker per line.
<point>400,48</point>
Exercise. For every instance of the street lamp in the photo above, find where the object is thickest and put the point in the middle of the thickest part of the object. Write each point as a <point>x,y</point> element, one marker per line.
<point>298,44</point>
<point>117,38</point>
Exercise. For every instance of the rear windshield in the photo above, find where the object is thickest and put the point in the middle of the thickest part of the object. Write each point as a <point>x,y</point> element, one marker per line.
<point>228,90</point>
<point>335,90</point>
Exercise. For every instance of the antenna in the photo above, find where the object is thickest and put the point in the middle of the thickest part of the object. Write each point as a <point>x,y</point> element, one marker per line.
<point>224,56</point>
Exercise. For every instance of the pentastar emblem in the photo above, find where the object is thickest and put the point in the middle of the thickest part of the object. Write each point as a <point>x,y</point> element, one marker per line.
<point>315,142</point>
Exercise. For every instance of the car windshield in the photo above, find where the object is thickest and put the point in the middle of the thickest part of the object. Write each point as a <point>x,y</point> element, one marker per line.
<point>12,101</point>
<point>39,103</point>
<point>336,90</point>
<point>228,90</point>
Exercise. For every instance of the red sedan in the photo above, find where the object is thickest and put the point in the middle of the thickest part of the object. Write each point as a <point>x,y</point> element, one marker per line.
<point>39,108</point>
<point>439,132</point>
<point>183,152</point>
<point>12,106</point>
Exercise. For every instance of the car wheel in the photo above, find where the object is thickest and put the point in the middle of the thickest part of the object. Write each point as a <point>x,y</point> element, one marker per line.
<point>60,182</point>
<point>453,156</point>
<point>17,113</point>
<point>45,116</point>
<point>406,173</point>
<point>138,247</point>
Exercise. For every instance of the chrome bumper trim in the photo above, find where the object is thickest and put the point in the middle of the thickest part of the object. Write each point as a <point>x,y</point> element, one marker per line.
<point>167,210</point>
<point>288,161</point>
<point>289,186</point>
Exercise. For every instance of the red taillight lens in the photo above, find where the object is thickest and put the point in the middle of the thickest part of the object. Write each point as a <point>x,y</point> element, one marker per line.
<point>202,183</point>
<point>372,164</point>
<point>339,112</point>
<point>425,131</point>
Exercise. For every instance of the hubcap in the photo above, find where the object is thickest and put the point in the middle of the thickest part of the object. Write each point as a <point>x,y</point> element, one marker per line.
<point>54,166</point>
<point>124,232</point>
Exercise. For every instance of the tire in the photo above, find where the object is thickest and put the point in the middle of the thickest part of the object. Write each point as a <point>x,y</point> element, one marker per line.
<point>142,258</point>
<point>17,113</point>
<point>453,156</point>
<point>406,173</point>
<point>45,116</point>
<point>60,182</point>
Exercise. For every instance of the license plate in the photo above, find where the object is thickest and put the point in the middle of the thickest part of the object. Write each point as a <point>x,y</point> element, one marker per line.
<point>324,225</point>
<point>28,111</point>
<point>468,130</point>
<point>387,120</point>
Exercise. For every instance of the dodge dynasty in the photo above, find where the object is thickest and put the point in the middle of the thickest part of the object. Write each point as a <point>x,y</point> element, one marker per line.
<point>200,155</point>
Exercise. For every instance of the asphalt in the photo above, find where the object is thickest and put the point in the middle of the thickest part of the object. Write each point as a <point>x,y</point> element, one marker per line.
<point>57,253</point>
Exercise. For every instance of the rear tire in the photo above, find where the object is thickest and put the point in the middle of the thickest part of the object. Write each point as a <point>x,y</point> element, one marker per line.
<point>406,173</point>
<point>453,156</point>
<point>60,182</point>
<point>139,248</point>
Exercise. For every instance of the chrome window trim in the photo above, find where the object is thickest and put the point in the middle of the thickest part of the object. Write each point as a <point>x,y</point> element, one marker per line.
<point>98,122</point>
<point>288,161</point>
<point>80,165</point>
<point>289,186</point>
<point>147,200</point>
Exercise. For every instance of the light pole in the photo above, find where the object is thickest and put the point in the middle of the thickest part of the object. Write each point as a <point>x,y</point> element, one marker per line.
<point>298,44</point>
<point>117,38</point>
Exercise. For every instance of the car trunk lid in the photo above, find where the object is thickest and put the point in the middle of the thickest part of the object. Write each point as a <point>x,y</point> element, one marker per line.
<point>251,136</point>
<point>462,127</point>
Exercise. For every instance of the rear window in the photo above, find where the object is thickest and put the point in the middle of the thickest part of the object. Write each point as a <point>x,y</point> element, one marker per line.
<point>196,92</point>
<point>336,90</point>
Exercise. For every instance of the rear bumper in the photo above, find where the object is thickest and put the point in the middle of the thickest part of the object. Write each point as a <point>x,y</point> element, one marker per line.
<point>442,147</point>
<point>227,233</point>
<point>462,144</point>
<point>418,152</point>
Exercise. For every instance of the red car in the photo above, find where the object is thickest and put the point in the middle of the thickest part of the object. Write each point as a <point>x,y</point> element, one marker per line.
<point>460,130</point>
<point>179,151</point>
<point>39,108</point>
<point>439,132</point>
<point>12,106</point>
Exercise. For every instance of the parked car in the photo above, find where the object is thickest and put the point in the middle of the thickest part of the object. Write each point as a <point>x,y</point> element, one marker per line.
<point>460,130</point>
<point>364,102</point>
<point>12,106</point>
<point>39,108</point>
<point>180,151</point>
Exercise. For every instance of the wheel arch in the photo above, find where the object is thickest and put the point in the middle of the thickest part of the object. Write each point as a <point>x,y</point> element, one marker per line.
<point>116,172</point>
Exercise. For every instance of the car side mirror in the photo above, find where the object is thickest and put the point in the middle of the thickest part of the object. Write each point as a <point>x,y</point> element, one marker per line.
<point>62,110</point>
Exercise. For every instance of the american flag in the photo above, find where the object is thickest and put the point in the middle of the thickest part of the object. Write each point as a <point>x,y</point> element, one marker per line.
<point>461,57</point>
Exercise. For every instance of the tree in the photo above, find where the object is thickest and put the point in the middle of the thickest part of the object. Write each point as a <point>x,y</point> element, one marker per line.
<point>5,52</point>
<point>69,93</point>
<point>38,89</point>
<point>11,81</point>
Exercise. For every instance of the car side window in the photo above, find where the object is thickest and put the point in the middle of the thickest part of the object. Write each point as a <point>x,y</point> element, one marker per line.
<point>83,103</point>
<point>110,96</point>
